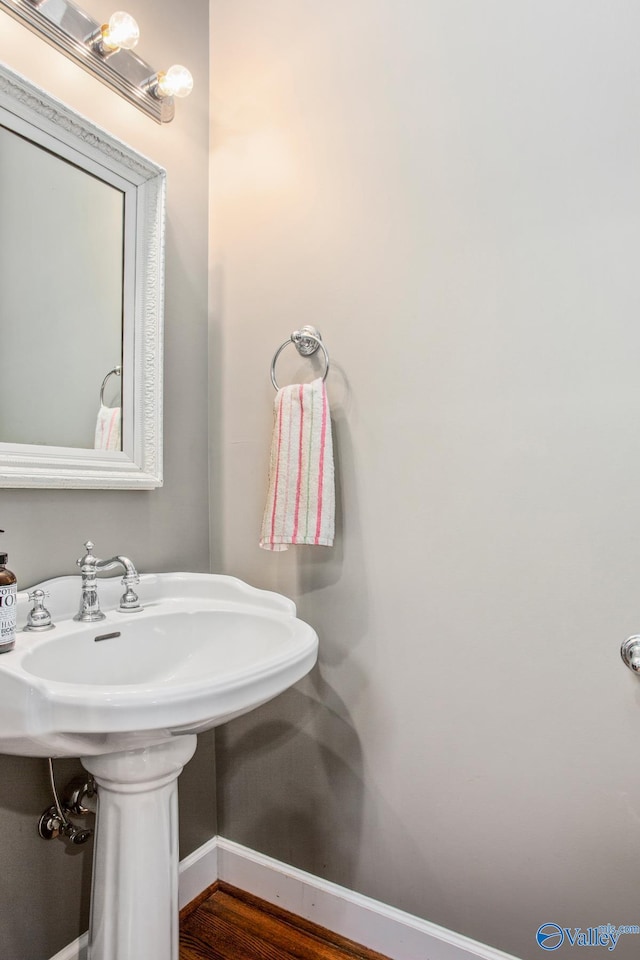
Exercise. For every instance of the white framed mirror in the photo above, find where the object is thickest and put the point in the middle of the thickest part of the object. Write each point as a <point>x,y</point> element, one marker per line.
<point>81,300</point>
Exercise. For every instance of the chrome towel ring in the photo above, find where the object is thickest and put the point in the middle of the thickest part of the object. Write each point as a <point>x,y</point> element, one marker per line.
<point>306,341</point>
<point>117,371</point>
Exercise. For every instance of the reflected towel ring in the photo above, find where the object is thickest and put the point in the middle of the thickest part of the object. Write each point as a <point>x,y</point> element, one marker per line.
<point>306,341</point>
<point>117,371</point>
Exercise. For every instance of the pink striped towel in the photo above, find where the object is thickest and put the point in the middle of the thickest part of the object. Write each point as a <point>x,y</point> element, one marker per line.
<point>108,429</point>
<point>301,499</point>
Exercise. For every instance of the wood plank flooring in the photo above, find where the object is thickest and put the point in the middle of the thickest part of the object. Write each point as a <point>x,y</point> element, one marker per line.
<point>228,924</point>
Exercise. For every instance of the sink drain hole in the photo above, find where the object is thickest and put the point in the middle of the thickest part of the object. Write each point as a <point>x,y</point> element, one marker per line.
<point>107,636</point>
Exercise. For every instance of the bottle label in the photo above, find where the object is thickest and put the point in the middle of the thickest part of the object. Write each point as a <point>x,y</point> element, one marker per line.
<point>8,604</point>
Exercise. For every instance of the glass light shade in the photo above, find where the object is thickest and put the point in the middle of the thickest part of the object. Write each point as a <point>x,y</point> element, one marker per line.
<point>176,82</point>
<point>122,32</point>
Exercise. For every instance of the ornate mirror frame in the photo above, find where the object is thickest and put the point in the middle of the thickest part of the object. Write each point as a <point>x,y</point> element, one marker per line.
<point>45,120</point>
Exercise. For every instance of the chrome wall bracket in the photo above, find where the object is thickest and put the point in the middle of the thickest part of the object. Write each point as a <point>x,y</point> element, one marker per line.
<point>630,653</point>
<point>307,340</point>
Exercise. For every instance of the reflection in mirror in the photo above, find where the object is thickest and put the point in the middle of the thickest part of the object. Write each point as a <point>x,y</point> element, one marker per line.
<point>61,276</point>
<point>81,300</point>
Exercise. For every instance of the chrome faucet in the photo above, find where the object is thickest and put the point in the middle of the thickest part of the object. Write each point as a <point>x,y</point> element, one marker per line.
<point>89,567</point>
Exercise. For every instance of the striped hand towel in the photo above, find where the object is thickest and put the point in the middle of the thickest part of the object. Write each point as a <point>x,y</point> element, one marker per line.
<point>108,429</point>
<point>301,499</point>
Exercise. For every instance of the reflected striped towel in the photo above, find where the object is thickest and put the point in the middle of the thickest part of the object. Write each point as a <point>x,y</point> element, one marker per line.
<point>108,430</point>
<point>301,499</point>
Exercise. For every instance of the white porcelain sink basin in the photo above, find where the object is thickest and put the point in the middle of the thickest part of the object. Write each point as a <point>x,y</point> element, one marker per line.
<point>204,649</point>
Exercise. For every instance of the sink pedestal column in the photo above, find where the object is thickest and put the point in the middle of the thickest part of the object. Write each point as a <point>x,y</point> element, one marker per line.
<point>134,896</point>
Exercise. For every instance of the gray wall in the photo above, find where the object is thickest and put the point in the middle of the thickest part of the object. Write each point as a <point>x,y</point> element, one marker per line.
<point>44,887</point>
<point>449,190</point>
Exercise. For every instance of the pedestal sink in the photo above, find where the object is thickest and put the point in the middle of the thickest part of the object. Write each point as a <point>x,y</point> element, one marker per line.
<point>128,695</point>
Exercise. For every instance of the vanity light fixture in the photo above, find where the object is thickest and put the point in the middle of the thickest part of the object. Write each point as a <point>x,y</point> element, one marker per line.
<point>106,51</point>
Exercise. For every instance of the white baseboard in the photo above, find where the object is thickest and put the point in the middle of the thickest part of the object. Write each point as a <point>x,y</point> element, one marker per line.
<point>375,925</point>
<point>74,951</point>
<point>198,871</point>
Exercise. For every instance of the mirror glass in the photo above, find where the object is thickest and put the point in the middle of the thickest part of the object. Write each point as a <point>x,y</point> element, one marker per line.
<point>81,300</point>
<point>63,228</point>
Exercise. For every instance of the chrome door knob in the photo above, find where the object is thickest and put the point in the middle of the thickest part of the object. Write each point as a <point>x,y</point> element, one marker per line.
<point>630,653</point>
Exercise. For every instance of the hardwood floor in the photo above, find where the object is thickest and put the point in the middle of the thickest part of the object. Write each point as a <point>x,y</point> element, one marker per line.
<point>228,924</point>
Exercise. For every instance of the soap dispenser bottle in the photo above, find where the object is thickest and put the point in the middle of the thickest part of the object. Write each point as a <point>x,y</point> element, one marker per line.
<point>8,604</point>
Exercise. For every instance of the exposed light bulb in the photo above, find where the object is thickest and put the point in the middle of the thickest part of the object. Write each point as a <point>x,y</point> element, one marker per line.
<point>121,33</point>
<point>176,82</point>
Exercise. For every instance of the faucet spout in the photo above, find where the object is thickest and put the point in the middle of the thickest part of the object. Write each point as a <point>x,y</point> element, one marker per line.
<point>90,565</point>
